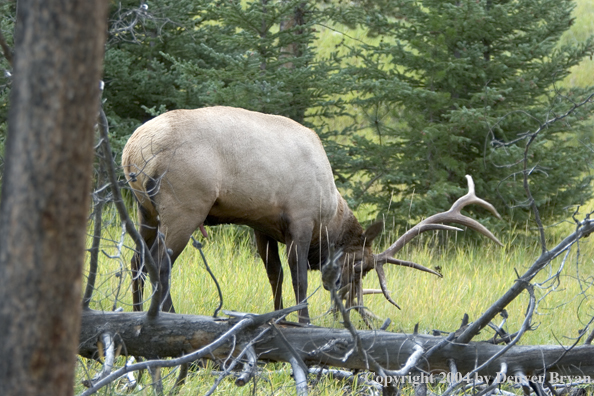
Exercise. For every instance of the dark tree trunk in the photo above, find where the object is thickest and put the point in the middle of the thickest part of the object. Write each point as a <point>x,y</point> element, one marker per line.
<point>45,194</point>
<point>295,50</point>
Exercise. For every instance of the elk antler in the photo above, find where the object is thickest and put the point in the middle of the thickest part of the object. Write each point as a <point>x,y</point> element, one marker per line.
<point>434,222</point>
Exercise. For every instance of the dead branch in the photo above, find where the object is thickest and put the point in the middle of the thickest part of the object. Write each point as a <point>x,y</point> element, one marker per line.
<point>94,250</point>
<point>99,201</point>
<point>584,228</point>
<point>107,160</point>
<point>141,323</point>
<point>198,246</point>
<point>171,335</point>
<point>128,24</point>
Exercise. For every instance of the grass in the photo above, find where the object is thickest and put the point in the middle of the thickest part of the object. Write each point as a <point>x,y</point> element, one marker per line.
<point>475,275</point>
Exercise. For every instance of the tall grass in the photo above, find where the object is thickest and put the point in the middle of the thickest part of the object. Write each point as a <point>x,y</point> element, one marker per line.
<point>475,275</point>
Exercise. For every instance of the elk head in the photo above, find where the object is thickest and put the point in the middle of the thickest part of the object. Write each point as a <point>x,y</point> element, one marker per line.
<point>356,264</point>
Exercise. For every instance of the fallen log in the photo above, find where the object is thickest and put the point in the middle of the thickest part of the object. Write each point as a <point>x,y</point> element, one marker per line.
<point>174,335</point>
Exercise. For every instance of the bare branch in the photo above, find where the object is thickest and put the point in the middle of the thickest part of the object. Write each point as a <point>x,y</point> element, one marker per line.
<point>546,124</point>
<point>105,345</point>
<point>249,368</point>
<point>300,376</point>
<point>198,246</point>
<point>98,198</point>
<point>583,229</point>
<point>183,374</point>
<point>119,203</point>
<point>242,324</point>
<point>525,326</point>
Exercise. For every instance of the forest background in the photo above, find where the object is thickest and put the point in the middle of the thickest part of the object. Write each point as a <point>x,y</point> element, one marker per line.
<point>407,96</point>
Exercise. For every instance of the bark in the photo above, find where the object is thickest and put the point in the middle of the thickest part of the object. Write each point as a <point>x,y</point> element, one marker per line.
<point>172,335</point>
<point>45,195</point>
<point>294,50</point>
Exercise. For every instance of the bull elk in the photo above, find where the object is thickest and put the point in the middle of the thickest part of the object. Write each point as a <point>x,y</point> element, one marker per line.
<point>216,165</point>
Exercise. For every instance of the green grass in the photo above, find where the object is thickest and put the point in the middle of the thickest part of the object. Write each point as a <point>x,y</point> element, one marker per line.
<point>474,277</point>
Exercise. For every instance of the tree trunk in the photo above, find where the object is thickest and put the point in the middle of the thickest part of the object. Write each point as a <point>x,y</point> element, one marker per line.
<point>45,195</point>
<point>171,335</point>
<point>293,50</point>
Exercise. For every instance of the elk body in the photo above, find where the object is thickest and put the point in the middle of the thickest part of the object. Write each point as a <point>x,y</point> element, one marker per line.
<point>216,165</point>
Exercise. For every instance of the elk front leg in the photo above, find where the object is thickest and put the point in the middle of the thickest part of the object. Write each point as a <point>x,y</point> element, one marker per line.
<point>297,253</point>
<point>268,250</point>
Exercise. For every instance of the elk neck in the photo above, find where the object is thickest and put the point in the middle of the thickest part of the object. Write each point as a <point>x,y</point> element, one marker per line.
<point>342,231</point>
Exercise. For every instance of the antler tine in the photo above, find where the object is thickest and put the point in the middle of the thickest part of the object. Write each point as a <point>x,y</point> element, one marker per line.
<point>436,221</point>
<point>471,198</point>
<point>410,264</point>
<point>379,268</point>
<point>384,283</point>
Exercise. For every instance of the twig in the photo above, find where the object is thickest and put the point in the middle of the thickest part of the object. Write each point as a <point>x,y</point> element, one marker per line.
<point>198,246</point>
<point>295,358</point>
<point>588,340</point>
<point>498,379</point>
<point>523,329</point>
<point>328,273</point>
<point>249,368</point>
<point>347,376</point>
<point>523,381</point>
<point>109,344</point>
<point>257,321</point>
<point>299,375</point>
<point>566,351</point>
<point>183,374</point>
<point>105,345</point>
<point>155,372</point>
<point>411,362</point>
<point>98,197</point>
<point>546,124</point>
<point>525,326</point>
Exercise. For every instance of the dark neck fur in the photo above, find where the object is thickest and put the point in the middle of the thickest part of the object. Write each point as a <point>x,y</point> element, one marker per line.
<point>342,230</point>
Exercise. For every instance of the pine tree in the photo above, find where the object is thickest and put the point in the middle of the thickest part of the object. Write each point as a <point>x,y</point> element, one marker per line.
<point>257,55</point>
<point>265,58</point>
<point>446,85</point>
<point>140,80</point>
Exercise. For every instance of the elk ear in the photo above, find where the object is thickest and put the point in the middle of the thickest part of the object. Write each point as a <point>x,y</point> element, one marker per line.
<point>372,232</point>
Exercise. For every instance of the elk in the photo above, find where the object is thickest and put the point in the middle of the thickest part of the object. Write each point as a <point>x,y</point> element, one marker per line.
<point>216,165</point>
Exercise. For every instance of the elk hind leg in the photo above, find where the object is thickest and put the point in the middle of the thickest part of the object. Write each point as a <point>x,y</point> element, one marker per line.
<point>162,258</point>
<point>177,226</point>
<point>148,231</point>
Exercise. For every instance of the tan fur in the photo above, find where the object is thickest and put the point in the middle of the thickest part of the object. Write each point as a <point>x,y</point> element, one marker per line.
<point>227,165</point>
<point>254,167</point>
